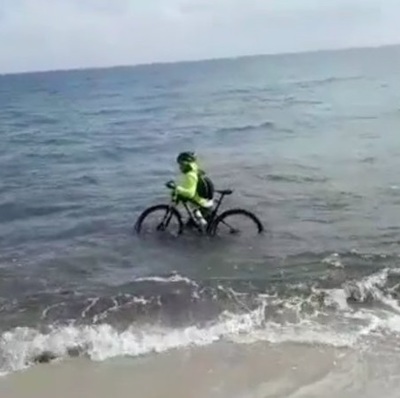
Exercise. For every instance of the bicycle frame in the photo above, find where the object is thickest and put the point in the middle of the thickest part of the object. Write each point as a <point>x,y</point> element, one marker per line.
<point>165,222</point>
<point>212,217</point>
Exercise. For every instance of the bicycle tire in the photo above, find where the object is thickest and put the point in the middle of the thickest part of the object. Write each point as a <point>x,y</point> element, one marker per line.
<point>235,212</point>
<point>153,209</point>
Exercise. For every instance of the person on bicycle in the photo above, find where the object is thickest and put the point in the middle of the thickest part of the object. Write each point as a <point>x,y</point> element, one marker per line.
<point>195,187</point>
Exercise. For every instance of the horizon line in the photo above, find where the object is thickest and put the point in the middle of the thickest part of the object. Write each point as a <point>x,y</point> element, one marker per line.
<point>199,60</point>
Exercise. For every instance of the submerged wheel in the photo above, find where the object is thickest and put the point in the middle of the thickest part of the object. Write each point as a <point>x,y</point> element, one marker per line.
<point>161,219</point>
<point>237,222</point>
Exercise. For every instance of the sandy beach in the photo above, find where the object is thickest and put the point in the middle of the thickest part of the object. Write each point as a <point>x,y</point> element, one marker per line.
<point>220,370</point>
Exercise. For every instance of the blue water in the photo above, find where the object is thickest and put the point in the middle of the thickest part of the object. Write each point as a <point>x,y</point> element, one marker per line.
<point>309,142</point>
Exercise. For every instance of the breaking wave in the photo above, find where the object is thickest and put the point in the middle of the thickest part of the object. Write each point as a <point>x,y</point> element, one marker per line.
<point>354,313</point>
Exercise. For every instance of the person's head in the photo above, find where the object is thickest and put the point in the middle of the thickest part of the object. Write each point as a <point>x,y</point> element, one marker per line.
<point>186,161</point>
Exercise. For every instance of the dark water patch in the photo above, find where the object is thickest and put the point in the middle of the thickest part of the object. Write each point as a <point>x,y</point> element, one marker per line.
<point>151,109</point>
<point>87,179</point>
<point>175,301</point>
<point>327,81</point>
<point>12,211</point>
<point>237,91</point>
<point>247,128</point>
<point>86,226</point>
<point>167,301</point>
<point>124,122</point>
<point>296,178</point>
<point>293,100</point>
<point>368,160</point>
<point>360,117</point>
<point>104,112</point>
<point>29,120</point>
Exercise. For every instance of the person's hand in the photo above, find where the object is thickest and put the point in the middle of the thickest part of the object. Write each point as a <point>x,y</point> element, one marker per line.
<point>170,185</point>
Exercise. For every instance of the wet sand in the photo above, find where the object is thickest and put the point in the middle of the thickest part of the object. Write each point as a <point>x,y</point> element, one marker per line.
<point>220,370</point>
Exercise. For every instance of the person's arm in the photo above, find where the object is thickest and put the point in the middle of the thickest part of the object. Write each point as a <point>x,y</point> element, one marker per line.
<point>188,186</point>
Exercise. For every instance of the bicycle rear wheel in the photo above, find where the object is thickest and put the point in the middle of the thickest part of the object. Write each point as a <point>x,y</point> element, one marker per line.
<point>160,219</point>
<point>237,222</point>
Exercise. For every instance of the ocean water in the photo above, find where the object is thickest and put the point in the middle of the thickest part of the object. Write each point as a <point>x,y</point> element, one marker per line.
<point>309,142</point>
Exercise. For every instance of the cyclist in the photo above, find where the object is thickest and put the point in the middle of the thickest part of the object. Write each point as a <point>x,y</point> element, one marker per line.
<point>195,187</point>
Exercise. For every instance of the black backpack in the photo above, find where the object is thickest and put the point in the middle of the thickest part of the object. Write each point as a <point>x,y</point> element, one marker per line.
<point>205,187</point>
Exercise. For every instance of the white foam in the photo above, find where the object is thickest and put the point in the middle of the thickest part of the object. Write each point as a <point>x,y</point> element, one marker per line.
<point>345,327</point>
<point>304,332</point>
<point>20,346</point>
<point>333,260</point>
<point>337,298</point>
<point>386,319</point>
<point>176,278</point>
<point>369,286</point>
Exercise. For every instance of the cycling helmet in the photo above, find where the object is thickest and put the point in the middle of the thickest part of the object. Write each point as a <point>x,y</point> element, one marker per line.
<point>186,157</point>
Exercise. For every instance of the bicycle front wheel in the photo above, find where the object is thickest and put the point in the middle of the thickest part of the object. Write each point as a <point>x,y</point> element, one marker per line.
<point>160,219</point>
<point>237,222</point>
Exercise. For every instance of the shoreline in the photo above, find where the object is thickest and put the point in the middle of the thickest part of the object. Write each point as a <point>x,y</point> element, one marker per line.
<point>220,370</point>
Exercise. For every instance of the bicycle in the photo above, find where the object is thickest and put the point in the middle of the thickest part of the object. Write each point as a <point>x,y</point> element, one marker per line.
<point>171,218</point>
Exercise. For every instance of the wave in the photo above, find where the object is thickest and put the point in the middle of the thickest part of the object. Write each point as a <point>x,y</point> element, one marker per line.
<point>166,279</point>
<point>295,178</point>
<point>21,121</point>
<point>374,288</point>
<point>292,100</point>
<point>11,211</point>
<point>23,347</point>
<point>104,112</point>
<point>348,315</point>
<point>326,81</point>
<point>249,127</point>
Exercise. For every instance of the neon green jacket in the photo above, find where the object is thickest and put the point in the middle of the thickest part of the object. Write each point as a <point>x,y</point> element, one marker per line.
<point>187,188</point>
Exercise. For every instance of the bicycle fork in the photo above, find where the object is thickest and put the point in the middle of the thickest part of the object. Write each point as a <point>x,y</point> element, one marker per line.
<point>165,221</point>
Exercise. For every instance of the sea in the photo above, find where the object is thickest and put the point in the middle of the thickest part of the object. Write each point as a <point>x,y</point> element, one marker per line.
<point>308,142</point>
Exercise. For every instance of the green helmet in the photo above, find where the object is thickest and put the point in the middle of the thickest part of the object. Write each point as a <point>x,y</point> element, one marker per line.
<point>186,157</point>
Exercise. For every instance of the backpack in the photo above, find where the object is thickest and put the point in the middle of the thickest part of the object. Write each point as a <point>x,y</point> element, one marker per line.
<point>205,187</point>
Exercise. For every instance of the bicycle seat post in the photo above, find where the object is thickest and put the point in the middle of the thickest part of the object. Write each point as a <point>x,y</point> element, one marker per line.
<point>222,195</point>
